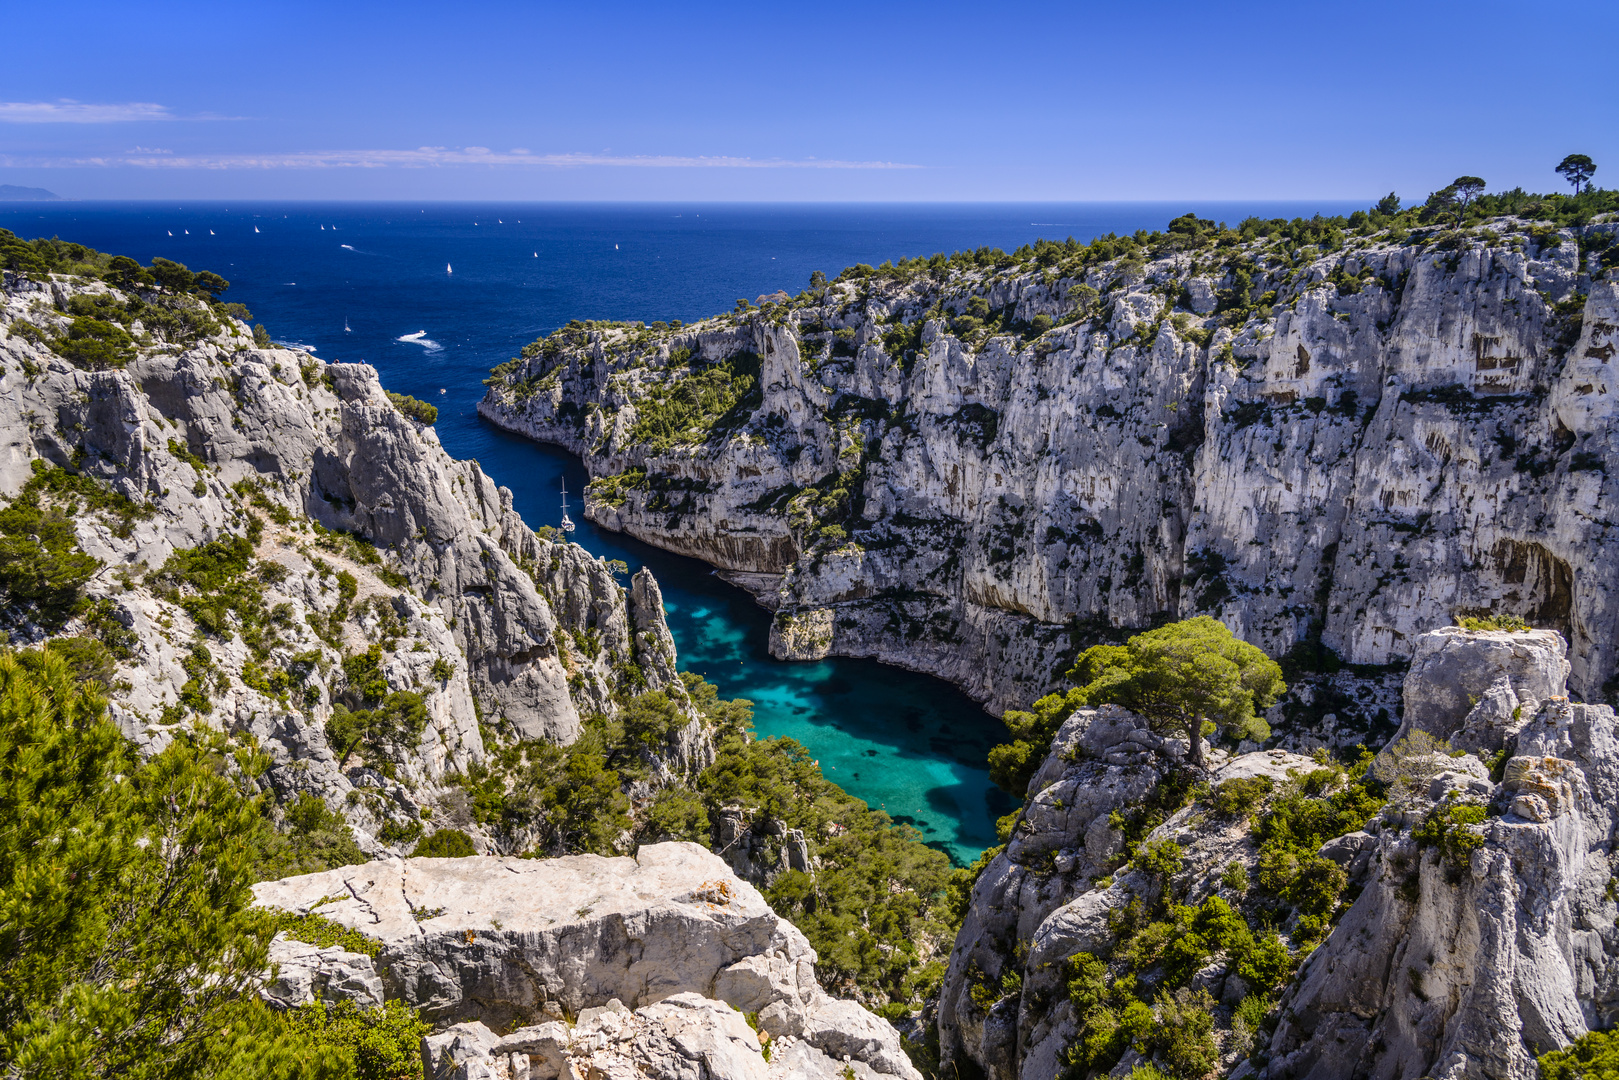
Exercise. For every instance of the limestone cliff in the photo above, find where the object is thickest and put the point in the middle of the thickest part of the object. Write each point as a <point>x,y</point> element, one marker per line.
<point>374,564</point>
<point>970,469</point>
<point>1466,925</point>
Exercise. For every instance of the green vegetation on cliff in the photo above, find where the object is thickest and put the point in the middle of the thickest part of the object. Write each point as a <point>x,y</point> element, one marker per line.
<point>128,946</point>
<point>876,908</point>
<point>43,570</point>
<point>1190,674</point>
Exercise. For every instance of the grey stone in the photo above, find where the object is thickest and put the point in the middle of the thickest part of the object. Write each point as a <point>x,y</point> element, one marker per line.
<point>495,941</point>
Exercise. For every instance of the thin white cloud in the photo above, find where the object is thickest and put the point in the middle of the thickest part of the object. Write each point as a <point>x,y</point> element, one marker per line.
<point>67,111</point>
<point>436,156</point>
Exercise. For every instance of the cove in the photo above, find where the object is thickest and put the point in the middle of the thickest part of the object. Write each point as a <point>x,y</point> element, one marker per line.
<point>909,744</point>
<point>370,282</point>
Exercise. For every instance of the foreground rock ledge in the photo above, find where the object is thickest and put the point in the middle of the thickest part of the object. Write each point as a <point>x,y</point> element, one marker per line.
<point>499,944</point>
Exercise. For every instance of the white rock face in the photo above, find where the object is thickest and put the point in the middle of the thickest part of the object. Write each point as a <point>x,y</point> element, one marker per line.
<point>1519,671</point>
<point>1469,971</point>
<point>658,955</point>
<point>304,973</point>
<point>206,435</point>
<point>1406,436</point>
<point>1437,969</point>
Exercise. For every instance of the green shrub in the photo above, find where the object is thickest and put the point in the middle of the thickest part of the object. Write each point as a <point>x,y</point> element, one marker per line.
<point>95,345</point>
<point>383,735</point>
<point>321,932</point>
<point>691,408</point>
<point>372,1044</point>
<point>1237,798</point>
<point>1253,1009</point>
<point>1185,1033</point>
<point>675,814</point>
<point>129,946</point>
<point>1594,1056</point>
<point>1300,820</point>
<point>414,409</point>
<point>1162,857</point>
<point>1446,827</point>
<point>1493,622</point>
<point>650,719</point>
<point>446,844</point>
<point>312,838</point>
<point>1267,963</point>
<point>364,673</point>
<point>42,567</point>
<point>90,661</point>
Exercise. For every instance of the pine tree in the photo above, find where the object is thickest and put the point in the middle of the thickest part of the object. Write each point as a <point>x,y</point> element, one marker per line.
<point>127,945</point>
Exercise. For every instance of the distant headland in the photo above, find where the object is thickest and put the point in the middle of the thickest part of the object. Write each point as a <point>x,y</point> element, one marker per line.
<point>13,193</point>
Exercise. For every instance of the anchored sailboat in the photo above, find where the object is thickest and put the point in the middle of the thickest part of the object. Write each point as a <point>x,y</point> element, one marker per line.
<point>567,522</point>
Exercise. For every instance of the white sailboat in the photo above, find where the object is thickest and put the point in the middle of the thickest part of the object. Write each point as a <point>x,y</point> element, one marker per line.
<point>346,329</point>
<point>255,228</point>
<point>448,269</point>
<point>567,522</point>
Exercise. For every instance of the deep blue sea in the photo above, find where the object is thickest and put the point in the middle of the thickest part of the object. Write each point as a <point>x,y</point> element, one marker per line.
<point>434,295</point>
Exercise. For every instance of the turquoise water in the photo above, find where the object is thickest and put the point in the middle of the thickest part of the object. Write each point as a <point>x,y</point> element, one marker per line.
<point>907,743</point>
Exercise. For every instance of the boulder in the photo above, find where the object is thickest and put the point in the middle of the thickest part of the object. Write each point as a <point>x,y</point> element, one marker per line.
<point>1474,681</point>
<point>301,973</point>
<point>501,943</point>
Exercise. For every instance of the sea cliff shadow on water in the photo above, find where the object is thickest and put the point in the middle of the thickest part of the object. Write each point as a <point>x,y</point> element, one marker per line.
<point>909,744</point>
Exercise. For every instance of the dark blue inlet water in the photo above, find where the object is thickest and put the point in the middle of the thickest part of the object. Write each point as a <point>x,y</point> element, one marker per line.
<point>909,744</point>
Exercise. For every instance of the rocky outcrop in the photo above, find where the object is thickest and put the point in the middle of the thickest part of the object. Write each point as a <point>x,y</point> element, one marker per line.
<point>1053,892</point>
<point>658,957</point>
<point>1469,966</point>
<point>1398,433</point>
<point>1479,922</point>
<point>301,973</point>
<point>219,439</point>
<point>1476,689</point>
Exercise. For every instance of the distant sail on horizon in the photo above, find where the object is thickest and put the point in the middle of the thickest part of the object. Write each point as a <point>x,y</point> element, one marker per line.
<point>448,269</point>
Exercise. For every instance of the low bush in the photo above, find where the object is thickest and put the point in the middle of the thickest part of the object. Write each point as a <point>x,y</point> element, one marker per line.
<point>1447,827</point>
<point>367,1044</point>
<point>1594,1056</point>
<point>1493,622</point>
<point>413,408</point>
<point>445,844</point>
<point>95,345</point>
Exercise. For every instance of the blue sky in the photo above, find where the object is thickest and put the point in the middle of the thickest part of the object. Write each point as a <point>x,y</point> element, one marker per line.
<point>831,101</point>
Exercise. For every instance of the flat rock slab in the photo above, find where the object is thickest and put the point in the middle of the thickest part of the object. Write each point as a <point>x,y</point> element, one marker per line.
<point>496,939</point>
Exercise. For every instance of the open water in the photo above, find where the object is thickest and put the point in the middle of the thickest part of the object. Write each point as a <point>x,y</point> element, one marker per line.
<point>435,295</point>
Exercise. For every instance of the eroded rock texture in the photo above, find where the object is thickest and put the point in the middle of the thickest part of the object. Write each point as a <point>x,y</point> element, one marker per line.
<point>460,596</point>
<point>1403,434</point>
<point>1479,922</point>
<point>658,956</point>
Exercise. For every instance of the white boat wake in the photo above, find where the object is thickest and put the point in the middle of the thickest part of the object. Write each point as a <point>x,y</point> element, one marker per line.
<point>420,338</point>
